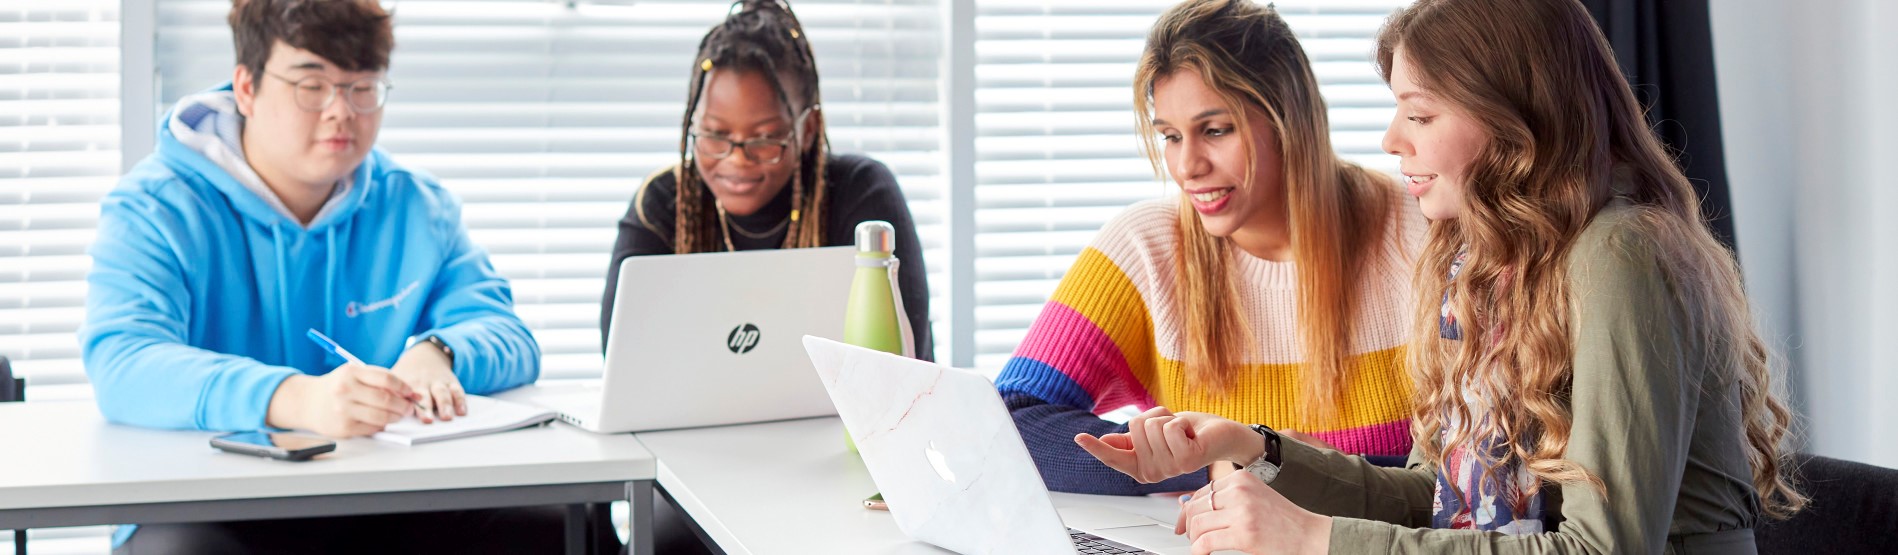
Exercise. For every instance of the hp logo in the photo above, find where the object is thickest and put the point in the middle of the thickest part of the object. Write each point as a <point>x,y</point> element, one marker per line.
<point>743,339</point>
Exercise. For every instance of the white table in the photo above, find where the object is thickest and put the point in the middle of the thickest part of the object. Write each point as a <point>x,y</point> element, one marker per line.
<point>63,465</point>
<point>791,487</point>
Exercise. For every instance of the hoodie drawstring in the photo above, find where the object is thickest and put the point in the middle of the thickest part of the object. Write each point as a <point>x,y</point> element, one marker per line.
<point>283,291</point>
<point>329,279</point>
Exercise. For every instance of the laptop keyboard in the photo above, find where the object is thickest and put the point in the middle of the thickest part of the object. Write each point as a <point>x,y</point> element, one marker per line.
<point>1089,544</point>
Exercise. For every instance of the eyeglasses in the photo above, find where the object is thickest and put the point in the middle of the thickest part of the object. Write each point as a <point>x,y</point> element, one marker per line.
<point>763,150</point>
<point>315,94</point>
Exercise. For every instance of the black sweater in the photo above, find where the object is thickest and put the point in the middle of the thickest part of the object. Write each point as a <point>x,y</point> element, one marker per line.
<point>861,190</point>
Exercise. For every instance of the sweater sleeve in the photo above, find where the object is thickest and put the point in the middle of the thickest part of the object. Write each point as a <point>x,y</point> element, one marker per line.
<point>1049,431</point>
<point>1080,359</point>
<point>1632,365</point>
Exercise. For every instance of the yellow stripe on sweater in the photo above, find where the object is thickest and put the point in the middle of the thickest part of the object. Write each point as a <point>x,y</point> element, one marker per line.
<point>1377,392</point>
<point>1096,288</point>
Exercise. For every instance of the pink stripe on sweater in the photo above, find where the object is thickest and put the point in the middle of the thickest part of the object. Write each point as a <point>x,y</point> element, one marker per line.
<point>1388,439</point>
<point>1066,340</point>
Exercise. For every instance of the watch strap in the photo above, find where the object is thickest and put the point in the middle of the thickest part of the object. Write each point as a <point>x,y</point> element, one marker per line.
<point>1267,466</point>
<point>443,345</point>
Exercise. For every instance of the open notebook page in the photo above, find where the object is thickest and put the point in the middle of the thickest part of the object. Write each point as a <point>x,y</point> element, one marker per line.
<point>485,415</point>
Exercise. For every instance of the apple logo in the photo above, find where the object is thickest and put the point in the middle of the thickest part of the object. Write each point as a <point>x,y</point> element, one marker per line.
<point>936,462</point>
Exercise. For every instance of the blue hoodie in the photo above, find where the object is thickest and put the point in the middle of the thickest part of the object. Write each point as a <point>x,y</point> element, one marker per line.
<point>202,288</point>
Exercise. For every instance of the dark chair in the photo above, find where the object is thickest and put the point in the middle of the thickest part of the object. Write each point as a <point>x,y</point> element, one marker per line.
<point>13,390</point>
<point>1854,509</point>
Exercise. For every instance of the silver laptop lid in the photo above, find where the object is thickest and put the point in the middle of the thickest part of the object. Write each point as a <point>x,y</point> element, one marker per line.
<point>943,450</point>
<point>711,339</point>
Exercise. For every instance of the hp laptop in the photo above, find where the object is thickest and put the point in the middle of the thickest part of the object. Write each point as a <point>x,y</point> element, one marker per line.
<point>711,339</point>
<point>942,448</point>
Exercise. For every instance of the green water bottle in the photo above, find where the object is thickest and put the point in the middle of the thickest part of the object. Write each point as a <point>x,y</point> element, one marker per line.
<point>874,318</point>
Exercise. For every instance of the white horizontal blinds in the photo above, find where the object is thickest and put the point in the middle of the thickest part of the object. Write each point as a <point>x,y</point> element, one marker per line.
<point>59,153</point>
<point>881,68</point>
<point>1055,146</point>
<point>59,141</point>
<point>545,117</point>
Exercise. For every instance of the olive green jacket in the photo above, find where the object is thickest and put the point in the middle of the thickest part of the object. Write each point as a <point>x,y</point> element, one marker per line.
<point>1657,424</point>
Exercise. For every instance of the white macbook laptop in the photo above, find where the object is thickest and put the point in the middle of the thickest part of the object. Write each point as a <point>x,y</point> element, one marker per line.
<point>944,451</point>
<point>711,339</point>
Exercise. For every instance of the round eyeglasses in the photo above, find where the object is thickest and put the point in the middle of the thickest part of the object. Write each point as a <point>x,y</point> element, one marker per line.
<point>316,94</point>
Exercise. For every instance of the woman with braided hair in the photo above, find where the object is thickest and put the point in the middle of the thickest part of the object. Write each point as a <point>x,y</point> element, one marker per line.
<point>755,171</point>
<point>755,168</point>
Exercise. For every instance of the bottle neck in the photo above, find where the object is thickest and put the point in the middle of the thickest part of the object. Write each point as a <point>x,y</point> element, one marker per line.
<point>874,259</point>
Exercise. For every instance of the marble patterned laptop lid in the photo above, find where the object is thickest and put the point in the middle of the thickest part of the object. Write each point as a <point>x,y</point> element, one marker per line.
<point>943,450</point>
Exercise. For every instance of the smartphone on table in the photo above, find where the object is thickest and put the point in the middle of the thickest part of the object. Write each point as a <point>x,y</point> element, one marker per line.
<point>875,503</point>
<point>276,445</point>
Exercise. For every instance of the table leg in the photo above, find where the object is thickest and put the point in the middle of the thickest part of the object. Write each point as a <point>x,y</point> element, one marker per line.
<point>639,515</point>
<point>577,529</point>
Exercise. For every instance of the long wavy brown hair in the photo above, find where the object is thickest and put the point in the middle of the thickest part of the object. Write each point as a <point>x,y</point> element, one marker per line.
<point>1566,136</point>
<point>1337,211</point>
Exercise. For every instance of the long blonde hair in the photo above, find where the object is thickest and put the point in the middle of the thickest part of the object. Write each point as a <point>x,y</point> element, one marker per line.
<point>1335,209</point>
<point>1564,128</point>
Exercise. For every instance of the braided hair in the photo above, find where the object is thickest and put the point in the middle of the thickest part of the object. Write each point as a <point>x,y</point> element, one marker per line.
<point>762,36</point>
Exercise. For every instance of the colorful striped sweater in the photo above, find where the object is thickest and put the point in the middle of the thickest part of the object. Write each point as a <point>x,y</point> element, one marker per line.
<point>1111,336</point>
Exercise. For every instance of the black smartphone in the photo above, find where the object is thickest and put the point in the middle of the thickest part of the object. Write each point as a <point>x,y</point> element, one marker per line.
<point>276,445</point>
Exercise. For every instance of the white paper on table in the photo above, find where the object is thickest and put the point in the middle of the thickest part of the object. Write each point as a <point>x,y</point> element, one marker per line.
<point>486,415</point>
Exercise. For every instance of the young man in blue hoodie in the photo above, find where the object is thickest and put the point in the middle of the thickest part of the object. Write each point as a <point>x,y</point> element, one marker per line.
<point>265,212</point>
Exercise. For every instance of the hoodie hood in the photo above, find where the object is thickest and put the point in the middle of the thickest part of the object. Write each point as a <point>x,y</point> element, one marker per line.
<point>204,132</point>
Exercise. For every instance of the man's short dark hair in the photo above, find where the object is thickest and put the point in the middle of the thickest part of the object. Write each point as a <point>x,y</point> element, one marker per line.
<point>356,35</point>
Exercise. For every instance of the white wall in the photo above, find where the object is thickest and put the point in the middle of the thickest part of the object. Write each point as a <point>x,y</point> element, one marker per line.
<point>1807,94</point>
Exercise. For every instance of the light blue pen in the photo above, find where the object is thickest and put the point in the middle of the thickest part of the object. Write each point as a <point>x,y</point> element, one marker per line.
<point>330,345</point>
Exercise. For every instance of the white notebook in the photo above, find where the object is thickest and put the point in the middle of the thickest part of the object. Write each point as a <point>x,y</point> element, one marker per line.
<point>486,415</point>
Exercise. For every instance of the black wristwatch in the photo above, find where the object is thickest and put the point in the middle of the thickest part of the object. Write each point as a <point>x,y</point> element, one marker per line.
<point>443,345</point>
<point>1267,467</point>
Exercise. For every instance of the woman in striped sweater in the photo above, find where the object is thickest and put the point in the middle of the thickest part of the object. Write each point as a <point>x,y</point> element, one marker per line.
<point>1271,290</point>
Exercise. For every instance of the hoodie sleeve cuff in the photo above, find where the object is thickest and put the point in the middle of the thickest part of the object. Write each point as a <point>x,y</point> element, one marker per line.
<point>458,348</point>
<point>487,360</point>
<point>256,385</point>
<point>475,374</point>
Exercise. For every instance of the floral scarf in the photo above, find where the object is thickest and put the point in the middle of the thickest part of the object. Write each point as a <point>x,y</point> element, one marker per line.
<point>1474,493</point>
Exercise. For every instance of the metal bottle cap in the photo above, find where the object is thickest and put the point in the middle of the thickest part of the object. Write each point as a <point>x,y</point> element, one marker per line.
<point>876,236</point>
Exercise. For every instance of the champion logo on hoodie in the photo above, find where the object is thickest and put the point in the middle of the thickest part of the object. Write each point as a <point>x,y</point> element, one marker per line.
<point>355,308</point>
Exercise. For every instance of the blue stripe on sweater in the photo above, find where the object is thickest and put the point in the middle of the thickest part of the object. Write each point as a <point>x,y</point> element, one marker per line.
<point>1038,379</point>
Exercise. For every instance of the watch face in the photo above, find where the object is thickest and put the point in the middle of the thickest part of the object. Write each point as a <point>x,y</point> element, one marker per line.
<point>1265,471</point>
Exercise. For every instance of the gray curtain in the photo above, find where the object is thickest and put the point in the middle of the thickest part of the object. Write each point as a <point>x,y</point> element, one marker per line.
<point>1666,49</point>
